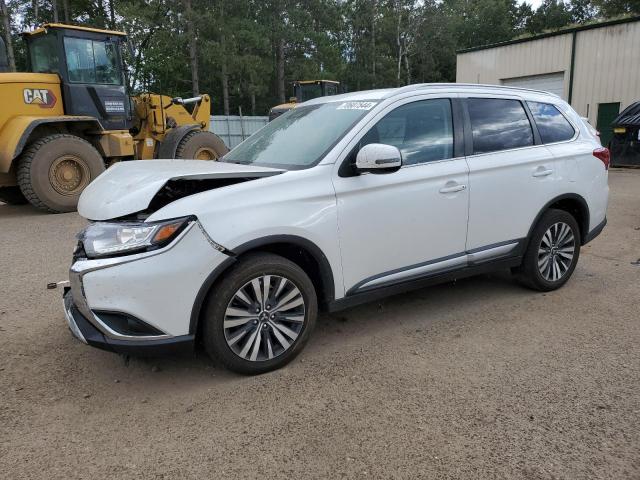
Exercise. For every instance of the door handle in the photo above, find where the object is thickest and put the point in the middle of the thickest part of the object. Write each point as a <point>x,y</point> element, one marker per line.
<point>542,172</point>
<point>453,188</point>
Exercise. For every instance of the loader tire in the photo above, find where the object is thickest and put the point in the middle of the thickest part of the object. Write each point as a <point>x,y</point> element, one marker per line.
<point>12,196</point>
<point>54,170</point>
<point>201,145</point>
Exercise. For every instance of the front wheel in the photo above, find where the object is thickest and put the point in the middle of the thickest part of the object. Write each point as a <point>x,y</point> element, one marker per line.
<point>553,252</point>
<point>259,316</point>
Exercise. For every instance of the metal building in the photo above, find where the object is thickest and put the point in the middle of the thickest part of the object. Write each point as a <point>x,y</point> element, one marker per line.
<point>595,67</point>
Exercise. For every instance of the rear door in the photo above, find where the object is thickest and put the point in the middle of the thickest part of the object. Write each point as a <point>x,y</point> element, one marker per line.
<point>511,174</point>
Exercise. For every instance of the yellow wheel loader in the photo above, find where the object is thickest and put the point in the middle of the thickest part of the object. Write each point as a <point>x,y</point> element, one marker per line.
<point>304,90</point>
<point>70,117</point>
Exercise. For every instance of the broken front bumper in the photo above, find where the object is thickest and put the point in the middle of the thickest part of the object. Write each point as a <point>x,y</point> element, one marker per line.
<point>88,333</point>
<point>140,303</point>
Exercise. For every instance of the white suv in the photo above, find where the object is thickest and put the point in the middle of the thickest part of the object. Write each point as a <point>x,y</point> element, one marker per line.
<point>339,201</point>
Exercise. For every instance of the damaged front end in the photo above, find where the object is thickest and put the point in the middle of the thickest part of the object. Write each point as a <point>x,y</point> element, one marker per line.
<point>135,189</point>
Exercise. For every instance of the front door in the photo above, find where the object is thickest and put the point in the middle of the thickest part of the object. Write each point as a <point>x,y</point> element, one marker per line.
<point>397,226</point>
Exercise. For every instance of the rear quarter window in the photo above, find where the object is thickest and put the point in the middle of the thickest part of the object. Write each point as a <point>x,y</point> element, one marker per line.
<point>552,125</point>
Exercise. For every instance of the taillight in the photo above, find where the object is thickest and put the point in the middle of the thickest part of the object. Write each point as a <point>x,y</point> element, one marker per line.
<point>603,155</point>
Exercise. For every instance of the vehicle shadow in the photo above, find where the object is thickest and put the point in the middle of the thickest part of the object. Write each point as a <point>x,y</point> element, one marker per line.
<point>419,309</point>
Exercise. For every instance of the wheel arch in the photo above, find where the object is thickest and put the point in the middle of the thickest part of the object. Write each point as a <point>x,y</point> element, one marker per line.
<point>299,250</point>
<point>571,203</point>
<point>23,130</point>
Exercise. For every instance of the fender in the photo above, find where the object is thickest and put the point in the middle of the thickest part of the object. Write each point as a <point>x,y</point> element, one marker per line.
<point>326,273</point>
<point>169,145</point>
<point>567,196</point>
<point>16,132</point>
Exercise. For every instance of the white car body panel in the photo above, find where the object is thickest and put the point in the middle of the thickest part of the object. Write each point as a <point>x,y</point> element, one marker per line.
<point>301,203</point>
<point>157,289</point>
<point>128,187</point>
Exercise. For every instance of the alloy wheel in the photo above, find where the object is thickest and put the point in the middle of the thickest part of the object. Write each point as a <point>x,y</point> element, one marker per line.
<point>264,318</point>
<point>556,251</point>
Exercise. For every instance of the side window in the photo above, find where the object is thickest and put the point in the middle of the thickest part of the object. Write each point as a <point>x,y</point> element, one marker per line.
<point>91,61</point>
<point>552,125</point>
<point>422,131</point>
<point>498,124</point>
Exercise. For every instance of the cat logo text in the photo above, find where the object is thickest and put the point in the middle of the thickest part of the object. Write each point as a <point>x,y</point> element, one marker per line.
<point>39,96</point>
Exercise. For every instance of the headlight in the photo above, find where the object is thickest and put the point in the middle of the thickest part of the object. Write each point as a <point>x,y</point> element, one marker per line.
<point>102,239</point>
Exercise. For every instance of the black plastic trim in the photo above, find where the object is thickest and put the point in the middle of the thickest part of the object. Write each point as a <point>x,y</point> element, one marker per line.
<point>518,251</point>
<point>326,272</point>
<point>406,286</point>
<point>595,232</point>
<point>566,196</point>
<point>95,338</point>
<point>457,112</point>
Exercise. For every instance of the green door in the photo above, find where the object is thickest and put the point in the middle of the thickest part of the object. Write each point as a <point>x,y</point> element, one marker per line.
<point>607,112</point>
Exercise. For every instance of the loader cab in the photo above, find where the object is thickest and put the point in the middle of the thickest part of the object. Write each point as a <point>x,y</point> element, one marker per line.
<point>304,90</point>
<point>90,65</point>
<point>310,89</point>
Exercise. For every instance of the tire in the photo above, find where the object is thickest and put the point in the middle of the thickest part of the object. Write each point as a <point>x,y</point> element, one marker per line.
<point>53,171</point>
<point>201,145</point>
<point>226,341</point>
<point>546,264</point>
<point>12,196</point>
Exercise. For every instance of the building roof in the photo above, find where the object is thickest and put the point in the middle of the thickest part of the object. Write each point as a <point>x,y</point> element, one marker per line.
<point>563,31</point>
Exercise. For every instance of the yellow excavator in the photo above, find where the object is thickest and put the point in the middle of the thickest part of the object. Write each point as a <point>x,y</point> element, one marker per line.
<point>304,90</point>
<point>68,118</point>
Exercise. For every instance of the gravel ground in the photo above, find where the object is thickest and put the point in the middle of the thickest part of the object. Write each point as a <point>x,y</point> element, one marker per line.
<point>475,379</point>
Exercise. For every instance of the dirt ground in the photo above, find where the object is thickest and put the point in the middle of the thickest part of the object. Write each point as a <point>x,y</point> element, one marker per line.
<point>477,379</point>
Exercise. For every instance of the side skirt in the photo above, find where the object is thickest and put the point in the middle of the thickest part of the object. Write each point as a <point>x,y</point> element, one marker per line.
<point>434,279</point>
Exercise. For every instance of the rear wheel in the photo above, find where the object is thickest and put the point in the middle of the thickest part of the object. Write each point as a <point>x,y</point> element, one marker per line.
<point>12,196</point>
<point>54,170</point>
<point>201,145</point>
<point>260,315</point>
<point>553,252</point>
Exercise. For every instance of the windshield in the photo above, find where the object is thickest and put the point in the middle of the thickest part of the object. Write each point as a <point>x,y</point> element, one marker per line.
<point>301,137</point>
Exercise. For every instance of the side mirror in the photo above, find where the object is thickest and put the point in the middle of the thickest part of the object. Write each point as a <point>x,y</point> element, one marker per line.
<point>378,158</point>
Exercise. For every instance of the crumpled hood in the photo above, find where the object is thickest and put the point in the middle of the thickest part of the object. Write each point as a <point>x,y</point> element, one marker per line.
<point>129,187</point>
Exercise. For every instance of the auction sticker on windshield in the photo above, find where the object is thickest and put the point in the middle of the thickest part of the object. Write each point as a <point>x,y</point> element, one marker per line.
<point>356,106</point>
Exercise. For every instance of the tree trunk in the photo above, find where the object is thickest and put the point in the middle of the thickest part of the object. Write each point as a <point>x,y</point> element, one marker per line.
<point>253,104</point>
<point>280,71</point>
<point>398,44</point>
<point>54,7</point>
<point>36,12</point>
<point>225,84</point>
<point>7,35</point>
<point>65,7</point>
<point>373,44</point>
<point>406,65</point>
<point>193,49</point>
<point>112,15</point>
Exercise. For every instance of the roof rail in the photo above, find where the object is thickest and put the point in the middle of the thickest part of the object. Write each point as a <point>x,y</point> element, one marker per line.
<point>418,86</point>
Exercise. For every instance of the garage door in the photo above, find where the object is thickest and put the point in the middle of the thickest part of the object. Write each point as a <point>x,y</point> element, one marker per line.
<point>551,82</point>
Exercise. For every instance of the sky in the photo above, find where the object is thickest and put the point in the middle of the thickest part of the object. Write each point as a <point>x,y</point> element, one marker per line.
<point>534,3</point>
